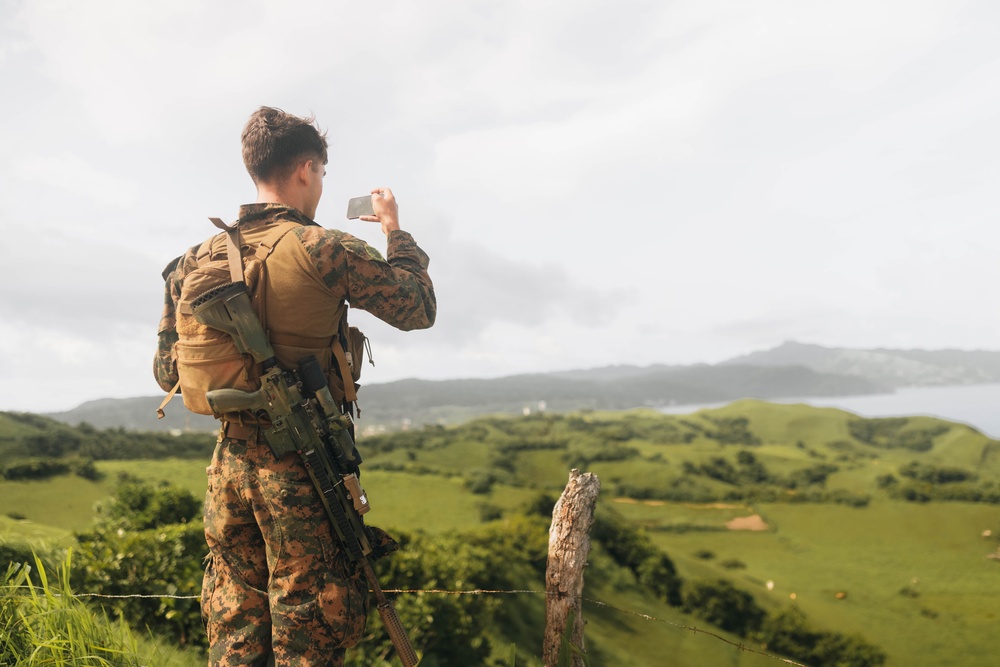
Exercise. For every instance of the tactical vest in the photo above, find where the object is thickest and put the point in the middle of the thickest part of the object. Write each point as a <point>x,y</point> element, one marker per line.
<point>297,309</point>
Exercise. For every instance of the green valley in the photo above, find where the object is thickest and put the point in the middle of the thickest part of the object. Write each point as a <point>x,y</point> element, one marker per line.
<point>875,540</point>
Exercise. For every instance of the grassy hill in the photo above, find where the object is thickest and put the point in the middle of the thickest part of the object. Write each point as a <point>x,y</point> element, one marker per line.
<point>417,402</point>
<point>873,526</point>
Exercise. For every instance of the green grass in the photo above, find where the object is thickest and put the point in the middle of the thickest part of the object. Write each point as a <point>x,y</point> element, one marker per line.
<point>68,501</point>
<point>65,502</point>
<point>622,635</point>
<point>185,473</point>
<point>934,552</point>
<point>431,503</point>
<point>34,534</point>
<point>42,623</point>
<point>471,454</point>
<point>871,554</point>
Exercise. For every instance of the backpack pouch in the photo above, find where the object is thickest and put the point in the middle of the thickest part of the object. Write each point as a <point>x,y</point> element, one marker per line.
<point>214,364</point>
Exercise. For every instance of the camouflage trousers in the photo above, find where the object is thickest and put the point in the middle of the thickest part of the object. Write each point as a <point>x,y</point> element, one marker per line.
<point>278,589</point>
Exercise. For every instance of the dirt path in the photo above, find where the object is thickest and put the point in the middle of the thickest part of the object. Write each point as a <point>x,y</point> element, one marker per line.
<point>752,522</point>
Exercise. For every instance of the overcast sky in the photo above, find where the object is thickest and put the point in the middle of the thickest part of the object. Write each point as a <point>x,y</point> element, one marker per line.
<point>596,182</point>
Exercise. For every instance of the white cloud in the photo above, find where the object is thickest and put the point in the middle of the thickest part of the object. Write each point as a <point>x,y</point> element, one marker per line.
<point>76,176</point>
<point>48,370</point>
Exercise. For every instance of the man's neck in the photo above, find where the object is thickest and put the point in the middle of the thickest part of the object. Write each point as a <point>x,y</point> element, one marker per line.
<point>288,192</point>
<point>266,195</point>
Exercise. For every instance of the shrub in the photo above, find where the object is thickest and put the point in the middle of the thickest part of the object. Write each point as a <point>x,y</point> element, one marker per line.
<point>891,433</point>
<point>147,539</point>
<point>35,469</point>
<point>138,505</point>
<point>720,469</point>
<point>886,481</point>
<point>489,512</point>
<point>722,605</point>
<point>732,431</point>
<point>446,629</point>
<point>480,482</point>
<point>167,560</point>
<point>626,545</point>
<point>814,475</point>
<point>932,474</point>
<point>787,633</point>
<point>659,575</point>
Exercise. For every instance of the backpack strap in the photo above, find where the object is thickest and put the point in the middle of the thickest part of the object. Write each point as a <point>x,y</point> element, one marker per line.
<point>160,414</point>
<point>233,248</point>
<point>266,245</point>
<point>264,248</point>
<point>350,395</point>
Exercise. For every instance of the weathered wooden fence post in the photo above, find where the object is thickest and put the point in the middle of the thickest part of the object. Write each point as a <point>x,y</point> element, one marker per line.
<point>569,546</point>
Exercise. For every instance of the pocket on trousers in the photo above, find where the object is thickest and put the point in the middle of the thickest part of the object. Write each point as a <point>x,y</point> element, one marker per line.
<point>333,618</point>
<point>343,605</point>
<point>207,591</point>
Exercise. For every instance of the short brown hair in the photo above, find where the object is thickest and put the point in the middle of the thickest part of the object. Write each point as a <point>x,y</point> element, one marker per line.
<point>275,142</point>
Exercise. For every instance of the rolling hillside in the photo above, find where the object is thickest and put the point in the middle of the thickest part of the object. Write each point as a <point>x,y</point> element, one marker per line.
<point>416,402</point>
<point>789,370</point>
<point>887,528</point>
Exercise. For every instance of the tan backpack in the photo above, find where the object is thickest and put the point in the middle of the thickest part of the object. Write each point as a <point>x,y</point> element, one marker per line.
<point>207,358</point>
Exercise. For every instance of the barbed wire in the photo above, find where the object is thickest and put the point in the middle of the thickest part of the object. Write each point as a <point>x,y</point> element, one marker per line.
<point>743,648</point>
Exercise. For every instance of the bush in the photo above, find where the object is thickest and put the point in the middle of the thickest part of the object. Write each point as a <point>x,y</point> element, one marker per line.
<point>480,482</point>
<point>52,439</point>
<point>489,512</point>
<point>148,539</point>
<point>659,575</point>
<point>34,469</point>
<point>892,433</point>
<point>543,504</point>
<point>446,629</point>
<point>167,560</point>
<point>815,475</point>
<point>628,546</point>
<point>788,633</point>
<point>732,431</point>
<point>138,505</point>
<point>720,469</point>
<point>722,605</point>
<point>886,481</point>
<point>932,474</point>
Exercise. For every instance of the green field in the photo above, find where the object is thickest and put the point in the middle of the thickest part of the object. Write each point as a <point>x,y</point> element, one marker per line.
<point>911,577</point>
<point>935,553</point>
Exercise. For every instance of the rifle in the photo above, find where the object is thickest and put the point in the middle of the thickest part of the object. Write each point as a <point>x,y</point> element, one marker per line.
<point>305,419</point>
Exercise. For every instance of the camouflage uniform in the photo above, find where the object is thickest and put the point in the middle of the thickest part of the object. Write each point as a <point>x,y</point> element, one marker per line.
<point>277,579</point>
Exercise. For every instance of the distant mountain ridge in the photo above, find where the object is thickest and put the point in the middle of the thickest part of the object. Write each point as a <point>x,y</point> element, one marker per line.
<point>789,370</point>
<point>896,368</point>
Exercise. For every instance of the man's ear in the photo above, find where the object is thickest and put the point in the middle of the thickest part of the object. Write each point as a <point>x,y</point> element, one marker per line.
<point>305,172</point>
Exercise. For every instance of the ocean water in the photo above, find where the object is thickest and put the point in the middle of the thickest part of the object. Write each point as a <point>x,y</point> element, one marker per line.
<point>977,405</point>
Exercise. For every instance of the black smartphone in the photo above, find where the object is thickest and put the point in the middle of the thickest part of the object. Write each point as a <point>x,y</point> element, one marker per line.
<point>359,206</point>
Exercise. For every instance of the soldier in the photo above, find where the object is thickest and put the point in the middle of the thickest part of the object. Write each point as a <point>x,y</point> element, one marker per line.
<point>277,585</point>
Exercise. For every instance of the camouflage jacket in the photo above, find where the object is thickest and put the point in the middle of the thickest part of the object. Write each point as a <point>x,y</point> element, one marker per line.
<point>398,290</point>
